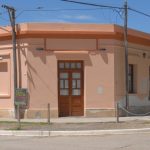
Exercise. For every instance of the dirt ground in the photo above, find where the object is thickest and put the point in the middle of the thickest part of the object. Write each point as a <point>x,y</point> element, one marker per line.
<point>75,126</point>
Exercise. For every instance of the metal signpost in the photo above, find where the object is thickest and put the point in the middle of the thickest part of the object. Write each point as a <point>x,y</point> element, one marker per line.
<point>20,100</point>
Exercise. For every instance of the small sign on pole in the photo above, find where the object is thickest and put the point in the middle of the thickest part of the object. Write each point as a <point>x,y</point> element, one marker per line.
<point>21,96</point>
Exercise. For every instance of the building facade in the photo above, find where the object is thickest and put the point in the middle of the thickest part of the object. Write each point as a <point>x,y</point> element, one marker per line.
<point>78,68</point>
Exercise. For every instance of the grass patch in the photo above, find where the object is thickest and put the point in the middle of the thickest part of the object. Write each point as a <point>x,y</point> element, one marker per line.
<point>13,125</point>
<point>15,128</point>
<point>7,122</point>
<point>146,122</point>
<point>25,123</point>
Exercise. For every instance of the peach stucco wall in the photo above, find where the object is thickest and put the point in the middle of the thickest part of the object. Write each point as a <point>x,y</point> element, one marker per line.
<point>99,80</point>
<point>141,74</point>
<point>7,77</point>
<point>22,49</point>
<point>104,76</point>
<point>42,73</point>
<point>6,74</point>
<point>42,77</point>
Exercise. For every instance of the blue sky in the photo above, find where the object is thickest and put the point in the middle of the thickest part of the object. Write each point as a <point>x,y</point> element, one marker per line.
<point>88,15</point>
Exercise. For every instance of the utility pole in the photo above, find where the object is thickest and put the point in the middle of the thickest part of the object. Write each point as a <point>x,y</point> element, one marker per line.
<point>126,52</point>
<point>11,12</point>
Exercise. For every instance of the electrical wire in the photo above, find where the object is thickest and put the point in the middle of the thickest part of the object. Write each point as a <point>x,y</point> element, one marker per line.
<point>55,10</point>
<point>107,6</point>
<point>119,12</point>
<point>92,4</point>
<point>140,12</point>
<point>116,9</point>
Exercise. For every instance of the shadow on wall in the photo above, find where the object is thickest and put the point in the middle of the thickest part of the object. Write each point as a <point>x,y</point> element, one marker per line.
<point>59,56</point>
<point>104,56</point>
<point>36,76</point>
<point>21,51</point>
<point>84,57</point>
<point>42,55</point>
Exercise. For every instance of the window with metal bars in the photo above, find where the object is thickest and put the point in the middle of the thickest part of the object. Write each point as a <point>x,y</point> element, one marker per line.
<point>131,80</point>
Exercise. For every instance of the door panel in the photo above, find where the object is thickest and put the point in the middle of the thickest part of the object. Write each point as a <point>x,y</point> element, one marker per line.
<point>64,93</point>
<point>76,91</point>
<point>70,88</point>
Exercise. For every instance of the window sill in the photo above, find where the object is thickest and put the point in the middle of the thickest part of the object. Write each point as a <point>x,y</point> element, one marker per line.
<point>4,96</point>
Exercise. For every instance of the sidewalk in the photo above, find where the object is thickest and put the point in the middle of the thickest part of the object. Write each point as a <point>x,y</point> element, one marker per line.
<point>80,119</point>
<point>73,126</point>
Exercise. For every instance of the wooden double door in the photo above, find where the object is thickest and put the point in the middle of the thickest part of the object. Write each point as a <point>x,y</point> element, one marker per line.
<point>70,88</point>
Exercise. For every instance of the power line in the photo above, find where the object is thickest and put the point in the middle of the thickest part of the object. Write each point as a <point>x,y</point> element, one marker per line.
<point>75,9</point>
<point>107,6</point>
<point>140,12</point>
<point>55,10</point>
<point>92,4</point>
<point>114,8</point>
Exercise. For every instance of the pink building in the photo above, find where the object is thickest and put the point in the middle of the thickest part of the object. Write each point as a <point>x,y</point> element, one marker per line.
<point>78,68</point>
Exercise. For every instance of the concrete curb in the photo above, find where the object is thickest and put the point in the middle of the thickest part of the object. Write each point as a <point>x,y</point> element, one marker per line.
<point>72,133</point>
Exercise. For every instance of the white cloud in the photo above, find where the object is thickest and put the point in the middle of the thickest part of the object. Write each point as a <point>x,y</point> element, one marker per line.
<point>58,20</point>
<point>84,17</point>
<point>79,17</point>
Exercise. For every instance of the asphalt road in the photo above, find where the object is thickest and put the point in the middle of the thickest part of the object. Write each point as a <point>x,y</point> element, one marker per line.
<point>106,142</point>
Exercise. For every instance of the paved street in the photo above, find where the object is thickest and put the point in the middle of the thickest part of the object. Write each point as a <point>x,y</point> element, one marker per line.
<point>107,142</point>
